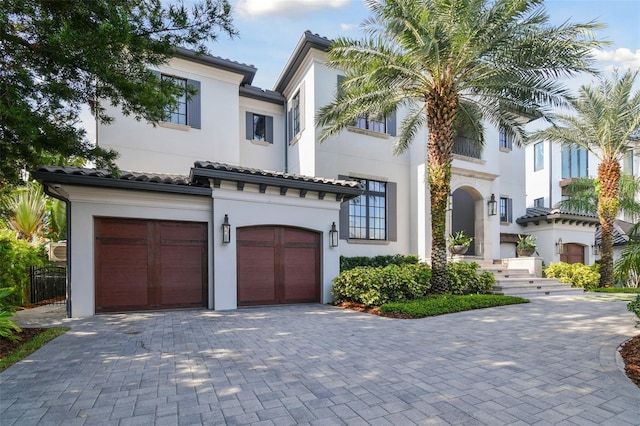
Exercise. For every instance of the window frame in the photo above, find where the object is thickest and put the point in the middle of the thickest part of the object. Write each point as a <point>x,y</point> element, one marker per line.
<point>505,141</point>
<point>505,209</point>
<point>183,103</point>
<point>538,156</point>
<point>375,226</point>
<point>250,128</point>
<point>295,114</point>
<point>574,162</point>
<point>538,202</point>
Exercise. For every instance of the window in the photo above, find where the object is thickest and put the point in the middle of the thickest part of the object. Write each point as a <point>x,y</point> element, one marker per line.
<point>178,114</point>
<point>506,140</point>
<point>538,202</point>
<point>538,156</point>
<point>627,163</point>
<point>375,124</point>
<point>574,162</point>
<point>371,216</point>
<point>187,111</point>
<point>295,110</point>
<point>506,209</point>
<point>259,127</point>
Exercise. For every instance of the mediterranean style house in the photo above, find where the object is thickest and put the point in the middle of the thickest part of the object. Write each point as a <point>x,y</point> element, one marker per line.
<point>232,201</point>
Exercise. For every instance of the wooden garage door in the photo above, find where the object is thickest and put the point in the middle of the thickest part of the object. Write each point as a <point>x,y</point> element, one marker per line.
<point>572,253</point>
<point>278,265</point>
<point>146,264</point>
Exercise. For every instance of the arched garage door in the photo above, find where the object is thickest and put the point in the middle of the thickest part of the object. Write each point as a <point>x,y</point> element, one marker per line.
<point>278,265</point>
<point>149,264</point>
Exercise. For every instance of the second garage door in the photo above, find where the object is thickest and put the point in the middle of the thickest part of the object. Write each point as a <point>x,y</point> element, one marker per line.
<point>148,264</point>
<point>278,265</point>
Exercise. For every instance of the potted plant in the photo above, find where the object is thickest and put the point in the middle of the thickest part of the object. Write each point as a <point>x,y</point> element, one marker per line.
<point>459,243</point>
<point>526,245</point>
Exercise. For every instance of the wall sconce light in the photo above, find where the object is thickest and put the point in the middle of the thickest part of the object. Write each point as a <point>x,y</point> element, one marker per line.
<point>333,235</point>
<point>492,205</point>
<point>560,246</point>
<point>450,202</point>
<point>596,249</point>
<point>226,230</point>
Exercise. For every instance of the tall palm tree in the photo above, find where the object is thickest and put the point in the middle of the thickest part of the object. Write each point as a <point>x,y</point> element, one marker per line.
<point>607,123</point>
<point>451,64</point>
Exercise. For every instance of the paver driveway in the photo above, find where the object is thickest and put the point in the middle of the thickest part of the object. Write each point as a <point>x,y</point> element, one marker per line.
<point>552,361</point>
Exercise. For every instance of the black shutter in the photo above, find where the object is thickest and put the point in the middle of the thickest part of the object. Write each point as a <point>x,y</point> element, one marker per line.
<point>392,211</point>
<point>344,215</point>
<point>249,125</point>
<point>193,106</point>
<point>269,128</point>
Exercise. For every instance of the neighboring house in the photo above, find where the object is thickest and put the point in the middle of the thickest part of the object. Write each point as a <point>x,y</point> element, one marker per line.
<point>550,168</point>
<point>251,157</point>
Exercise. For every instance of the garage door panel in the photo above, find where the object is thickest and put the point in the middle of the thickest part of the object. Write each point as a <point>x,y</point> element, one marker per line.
<point>278,265</point>
<point>147,264</point>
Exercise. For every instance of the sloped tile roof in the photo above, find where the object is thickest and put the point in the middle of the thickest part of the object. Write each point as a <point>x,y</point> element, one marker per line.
<point>621,231</point>
<point>540,214</point>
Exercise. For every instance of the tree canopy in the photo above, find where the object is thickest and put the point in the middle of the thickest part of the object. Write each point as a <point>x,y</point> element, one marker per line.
<point>451,65</point>
<point>56,56</point>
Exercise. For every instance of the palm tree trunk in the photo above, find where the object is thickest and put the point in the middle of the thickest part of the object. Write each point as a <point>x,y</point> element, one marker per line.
<point>608,206</point>
<point>440,110</point>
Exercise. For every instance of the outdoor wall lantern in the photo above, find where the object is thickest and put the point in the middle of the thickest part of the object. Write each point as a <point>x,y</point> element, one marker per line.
<point>450,202</point>
<point>226,230</point>
<point>559,246</point>
<point>596,249</point>
<point>492,205</point>
<point>333,235</point>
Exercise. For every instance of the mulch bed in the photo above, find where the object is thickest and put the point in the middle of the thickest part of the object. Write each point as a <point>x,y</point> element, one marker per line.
<point>7,346</point>
<point>630,351</point>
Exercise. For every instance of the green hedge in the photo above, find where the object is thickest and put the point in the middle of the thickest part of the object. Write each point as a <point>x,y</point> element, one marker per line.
<point>377,286</point>
<point>16,256</point>
<point>348,263</point>
<point>576,274</point>
<point>634,306</point>
<point>464,278</point>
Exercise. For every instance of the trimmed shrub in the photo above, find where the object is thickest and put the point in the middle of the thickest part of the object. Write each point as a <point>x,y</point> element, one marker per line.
<point>464,278</point>
<point>634,306</point>
<point>16,256</point>
<point>376,286</point>
<point>347,263</point>
<point>576,274</point>
<point>8,328</point>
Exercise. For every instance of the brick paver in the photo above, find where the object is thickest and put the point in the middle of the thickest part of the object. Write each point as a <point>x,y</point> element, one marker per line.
<point>553,361</point>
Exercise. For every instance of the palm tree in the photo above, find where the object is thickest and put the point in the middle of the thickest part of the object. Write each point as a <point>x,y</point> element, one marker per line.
<point>25,211</point>
<point>582,196</point>
<point>607,123</point>
<point>451,64</point>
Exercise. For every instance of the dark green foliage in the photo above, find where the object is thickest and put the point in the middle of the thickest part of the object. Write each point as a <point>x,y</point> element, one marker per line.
<point>464,278</point>
<point>347,263</point>
<point>7,327</point>
<point>376,286</point>
<point>447,303</point>
<point>634,306</point>
<point>56,56</point>
<point>16,256</point>
<point>625,290</point>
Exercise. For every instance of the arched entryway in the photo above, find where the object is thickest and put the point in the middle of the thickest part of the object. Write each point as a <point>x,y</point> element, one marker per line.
<point>466,215</point>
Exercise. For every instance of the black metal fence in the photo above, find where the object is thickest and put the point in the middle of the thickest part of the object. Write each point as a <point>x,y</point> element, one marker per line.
<point>48,285</point>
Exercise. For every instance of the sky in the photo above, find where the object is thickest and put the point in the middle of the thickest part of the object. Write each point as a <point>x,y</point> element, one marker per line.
<point>270,29</point>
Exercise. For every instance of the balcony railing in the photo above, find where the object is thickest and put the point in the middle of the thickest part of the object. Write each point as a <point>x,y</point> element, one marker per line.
<point>467,147</point>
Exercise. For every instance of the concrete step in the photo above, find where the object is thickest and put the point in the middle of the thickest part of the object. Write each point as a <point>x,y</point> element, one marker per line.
<point>528,292</point>
<point>533,287</point>
<point>500,272</point>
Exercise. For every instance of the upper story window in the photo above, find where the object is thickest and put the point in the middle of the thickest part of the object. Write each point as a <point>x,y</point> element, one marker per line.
<point>295,108</point>
<point>538,202</point>
<point>375,124</point>
<point>506,210</point>
<point>574,162</point>
<point>295,114</point>
<point>177,114</point>
<point>506,140</point>
<point>259,127</point>
<point>538,156</point>
<point>627,163</point>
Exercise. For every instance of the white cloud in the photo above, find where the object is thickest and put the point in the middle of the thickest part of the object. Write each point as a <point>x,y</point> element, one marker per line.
<point>289,8</point>
<point>348,27</point>
<point>621,58</point>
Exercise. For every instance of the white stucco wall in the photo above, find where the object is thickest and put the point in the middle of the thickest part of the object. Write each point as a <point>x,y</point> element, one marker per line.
<point>173,149</point>
<point>259,154</point>
<point>88,203</point>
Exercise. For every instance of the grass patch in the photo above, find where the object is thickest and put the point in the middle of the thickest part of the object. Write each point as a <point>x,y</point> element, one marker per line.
<point>629,290</point>
<point>31,346</point>
<point>447,304</point>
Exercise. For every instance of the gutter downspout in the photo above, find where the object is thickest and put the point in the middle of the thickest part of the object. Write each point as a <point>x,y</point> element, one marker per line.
<point>550,175</point>
<point>67,203</point>
<point>286,136</point>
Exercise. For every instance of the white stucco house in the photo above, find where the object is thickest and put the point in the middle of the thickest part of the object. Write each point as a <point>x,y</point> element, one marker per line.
<point>231,201</point>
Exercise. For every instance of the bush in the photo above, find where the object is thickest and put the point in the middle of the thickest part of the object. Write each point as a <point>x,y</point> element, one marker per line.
<point>376,286</point>
<point>347,263</point>
<point>7,327</point>
<point>464,278</point>
<point>576,274</point>
<point>634,306</point>
<point>16,256</point>
<point>439,304</point>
